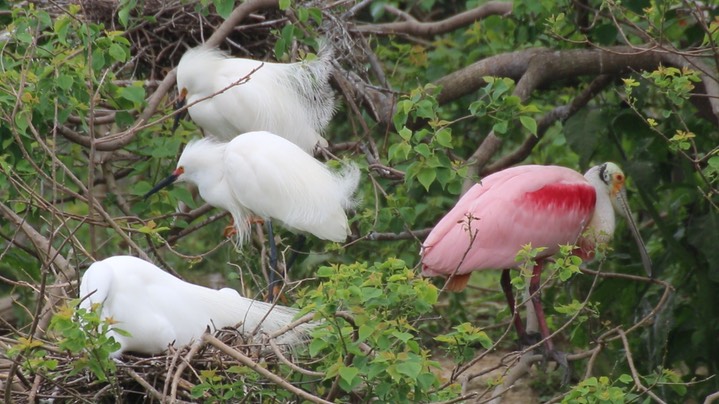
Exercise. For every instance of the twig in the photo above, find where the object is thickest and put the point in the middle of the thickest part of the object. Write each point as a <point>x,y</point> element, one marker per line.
<point>283,359</point>
<point>633,370</point>
<point>711,398</point>
<point>210,339</point>
<point>403,235</point>
<point>411,26</point>
<point>194,348</point>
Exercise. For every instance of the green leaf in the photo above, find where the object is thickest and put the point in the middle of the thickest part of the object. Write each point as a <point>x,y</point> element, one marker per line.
<point>98,59</point>
<point>626,379</point>
<point>64,81</point>
<point>425,109</point>
<point>224,7</point>
<point>399,151</point>
<point>124,13</point>
<point>426,177</point>
<point>117,52</point>
<point>365,330</point>
<point>444,137</point>
<point>348,374</point>
<point>135,94</point>
<point>285,4</point>
<point>316,346</point>
<point>325,272</point>
<point>529,123</point>
<point>410,369</point>
<point>500,127</point>
<point>423,150</point>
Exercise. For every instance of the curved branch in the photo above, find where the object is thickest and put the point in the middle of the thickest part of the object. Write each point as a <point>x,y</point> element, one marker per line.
<point>561,113</point>
<point>428,29</point>
<point>542,67</point>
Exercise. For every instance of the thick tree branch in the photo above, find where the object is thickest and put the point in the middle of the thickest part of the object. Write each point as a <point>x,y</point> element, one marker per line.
<point>538,68</point>
<point>429,29</point>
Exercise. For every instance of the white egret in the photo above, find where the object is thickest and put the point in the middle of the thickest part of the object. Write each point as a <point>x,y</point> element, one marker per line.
<point>158,309</point>
<point>291,100</point>
<point>265,175</point>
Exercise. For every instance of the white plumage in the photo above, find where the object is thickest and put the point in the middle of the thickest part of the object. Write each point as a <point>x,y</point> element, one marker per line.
<point>263,174</point>
<point>158,309</point>
<point>291,100</point>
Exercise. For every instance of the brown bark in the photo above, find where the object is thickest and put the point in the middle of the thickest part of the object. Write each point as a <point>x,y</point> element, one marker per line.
<point>429,29</point>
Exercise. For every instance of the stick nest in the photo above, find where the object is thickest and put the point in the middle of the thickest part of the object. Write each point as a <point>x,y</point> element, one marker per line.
<point>184,375</point>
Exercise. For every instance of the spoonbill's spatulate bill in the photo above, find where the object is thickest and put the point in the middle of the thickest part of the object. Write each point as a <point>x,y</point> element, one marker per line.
<point>157,309</point>
<point>545,206</point>
<point>291,100</point>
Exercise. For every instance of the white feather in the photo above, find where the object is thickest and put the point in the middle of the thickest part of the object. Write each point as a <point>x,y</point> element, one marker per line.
<point>263,174</point>
<point>292,100</point>
<point>158,309</point>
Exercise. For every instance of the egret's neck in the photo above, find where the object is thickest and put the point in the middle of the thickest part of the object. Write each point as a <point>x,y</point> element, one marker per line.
<point>212,185</point>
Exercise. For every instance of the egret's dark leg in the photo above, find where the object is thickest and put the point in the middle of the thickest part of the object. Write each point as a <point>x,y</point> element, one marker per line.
<point>179,116</point>
<point>509,294</point>
<point>273,261</point>
<point>559,357</point>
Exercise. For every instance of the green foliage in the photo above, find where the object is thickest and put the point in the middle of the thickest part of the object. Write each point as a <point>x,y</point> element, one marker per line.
<point>461,343</point>
<point>32,356</point>
<point>56,69</point>
<point>427,145</point>
<point>565,264</point>
<point>233,383</point>
<point>84,335</point>
<point>80,333</point>
<point>601,391</point>
<point>497,104</point>
<point>526,259</point>
<point>381,301</point>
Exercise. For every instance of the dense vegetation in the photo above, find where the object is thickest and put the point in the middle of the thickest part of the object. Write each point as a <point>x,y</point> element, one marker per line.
<point>434,96</point>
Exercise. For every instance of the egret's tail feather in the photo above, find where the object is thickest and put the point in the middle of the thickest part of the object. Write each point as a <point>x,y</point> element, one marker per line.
<point>349,180</point>
<point>311,81</point>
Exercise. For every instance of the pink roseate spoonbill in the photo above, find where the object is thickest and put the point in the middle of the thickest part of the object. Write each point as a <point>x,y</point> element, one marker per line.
<point>545,206</point>
<point>158,309</point>
<point>291,100</point>
<point>265,175</point>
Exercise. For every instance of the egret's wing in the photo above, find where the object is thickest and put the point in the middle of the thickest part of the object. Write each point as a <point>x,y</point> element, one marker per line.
<point>275,178</point>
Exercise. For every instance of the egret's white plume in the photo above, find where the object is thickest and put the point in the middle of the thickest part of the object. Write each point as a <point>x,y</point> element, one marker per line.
<point>158,309</point>
<point>291,100</point>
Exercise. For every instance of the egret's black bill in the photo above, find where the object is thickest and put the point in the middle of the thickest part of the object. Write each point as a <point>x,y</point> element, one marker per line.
<point>181,102</point>
<point>162,184</point>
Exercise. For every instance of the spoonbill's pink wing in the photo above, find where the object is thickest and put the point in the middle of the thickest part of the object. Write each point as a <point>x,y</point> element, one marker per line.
<point>544,206</point>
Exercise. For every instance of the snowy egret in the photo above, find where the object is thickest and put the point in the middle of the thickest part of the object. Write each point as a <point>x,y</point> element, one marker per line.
<point>291,100</point>
<point>158,309</point>
<point>266,175</point>
<point>545,206</point>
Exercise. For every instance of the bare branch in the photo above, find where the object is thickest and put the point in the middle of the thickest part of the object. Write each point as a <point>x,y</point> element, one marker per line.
<point>429,29</point>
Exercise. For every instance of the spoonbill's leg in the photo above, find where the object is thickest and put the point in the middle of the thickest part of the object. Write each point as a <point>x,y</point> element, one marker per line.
<point>559,357</point>
<point>505,281</point>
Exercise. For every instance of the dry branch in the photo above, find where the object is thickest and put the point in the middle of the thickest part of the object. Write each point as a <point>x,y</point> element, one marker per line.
<point>429,29</point>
